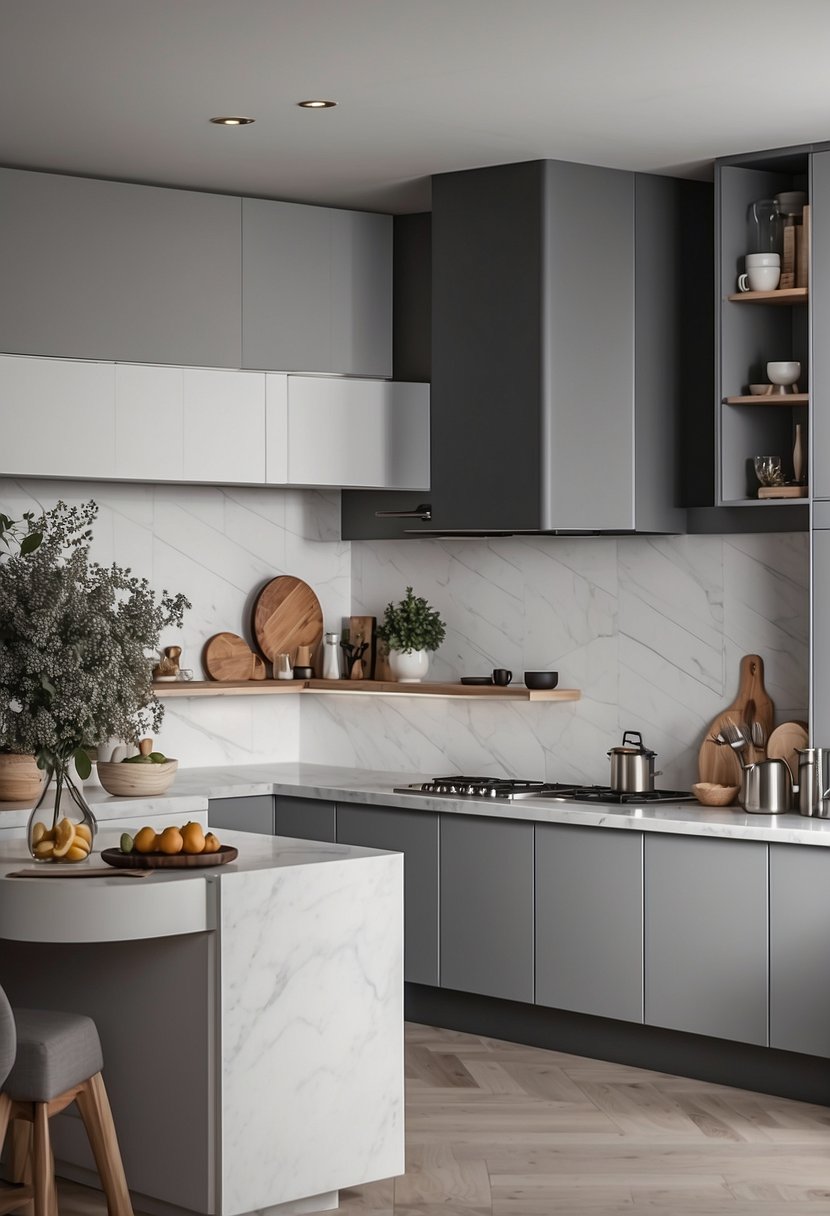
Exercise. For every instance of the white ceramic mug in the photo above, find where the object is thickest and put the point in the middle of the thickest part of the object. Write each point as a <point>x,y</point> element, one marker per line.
<point>760,278</point>
<point>762,259</point>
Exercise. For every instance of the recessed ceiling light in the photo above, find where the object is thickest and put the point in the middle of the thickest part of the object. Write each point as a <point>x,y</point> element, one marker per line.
<point>232,120</point>
<point>316,104</point>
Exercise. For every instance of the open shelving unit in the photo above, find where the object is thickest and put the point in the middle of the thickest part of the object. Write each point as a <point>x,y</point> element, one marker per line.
<point>371,688</point>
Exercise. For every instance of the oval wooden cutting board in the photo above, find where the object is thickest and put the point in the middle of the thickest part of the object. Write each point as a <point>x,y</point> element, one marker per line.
<point>752,704</point>
<point>229,657</point>
<point>287,614</point>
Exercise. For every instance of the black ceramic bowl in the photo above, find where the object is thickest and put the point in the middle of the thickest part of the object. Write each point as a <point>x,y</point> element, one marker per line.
<point>303,673</point>
<point>541,679</point>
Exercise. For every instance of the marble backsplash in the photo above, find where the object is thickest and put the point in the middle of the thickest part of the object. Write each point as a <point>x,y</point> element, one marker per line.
<point>650,629</point>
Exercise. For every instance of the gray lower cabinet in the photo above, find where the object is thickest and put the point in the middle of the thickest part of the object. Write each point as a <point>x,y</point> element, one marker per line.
<point>486,907</point>
<point>306,818</point>
<point>253,814</point>
<point>316,289</point>
<point>820,641</point>
<point>415,834</point>
<point>706,939</point>
<point>589,921</point>
<point>111,270</point>
<point>799,949</point>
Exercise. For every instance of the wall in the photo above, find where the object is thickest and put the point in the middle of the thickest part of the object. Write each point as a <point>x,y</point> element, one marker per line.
<point>218,546</point>
<point>651,629</point>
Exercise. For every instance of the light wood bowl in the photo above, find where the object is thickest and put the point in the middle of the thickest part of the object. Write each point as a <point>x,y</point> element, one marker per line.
<point>715,795</point>
<point>136,780</point>
<point>20,778</point>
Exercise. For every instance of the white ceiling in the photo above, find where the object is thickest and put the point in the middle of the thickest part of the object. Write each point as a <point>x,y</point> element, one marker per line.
<point>124,88</point>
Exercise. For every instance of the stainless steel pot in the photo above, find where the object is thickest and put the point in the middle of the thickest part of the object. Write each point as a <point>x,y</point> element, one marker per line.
<point>632,766</point>
<point>767,788</point>
<point>814,781</point>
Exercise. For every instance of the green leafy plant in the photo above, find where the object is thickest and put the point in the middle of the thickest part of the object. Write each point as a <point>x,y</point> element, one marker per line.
<point>74,640</point>
<point>412,625</point>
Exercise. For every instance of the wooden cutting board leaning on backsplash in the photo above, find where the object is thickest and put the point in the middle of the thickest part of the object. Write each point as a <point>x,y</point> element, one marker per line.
<point>287,614</point>
<point>721,765</point>
<point>228,657</point>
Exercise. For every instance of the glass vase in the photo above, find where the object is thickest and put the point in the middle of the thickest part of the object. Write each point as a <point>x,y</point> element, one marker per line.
<point>61,826</point>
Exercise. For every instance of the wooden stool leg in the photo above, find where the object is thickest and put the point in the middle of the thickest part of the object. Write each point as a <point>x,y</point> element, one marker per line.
<point>21,1163</point>
<point>5,1116</point>
<point>43,1178</point>
<point>96,1113</point>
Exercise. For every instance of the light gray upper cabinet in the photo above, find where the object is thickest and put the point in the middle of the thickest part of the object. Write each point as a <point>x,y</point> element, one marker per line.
<point>306,818</point>
<point>487,906</point>
<point>589,921</point>
<point>110,270</point>
<point>799,1015</point>
<point>252,814</point>
<point>415,834</point>
<point>316,289</point>
<point>706,938</point>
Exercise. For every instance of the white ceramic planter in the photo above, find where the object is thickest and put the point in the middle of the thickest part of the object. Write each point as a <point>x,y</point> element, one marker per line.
<point>409,666</point>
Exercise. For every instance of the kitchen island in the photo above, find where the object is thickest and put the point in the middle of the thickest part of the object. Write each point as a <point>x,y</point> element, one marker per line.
<point>251,1017</point>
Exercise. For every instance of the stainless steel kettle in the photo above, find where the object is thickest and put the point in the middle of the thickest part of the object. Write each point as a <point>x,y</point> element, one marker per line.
<point>632,765</point>
<point>766,788</point>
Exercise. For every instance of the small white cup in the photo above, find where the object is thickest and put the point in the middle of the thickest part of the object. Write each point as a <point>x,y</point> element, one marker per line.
<point>760,278</point>
<point>762,259</point>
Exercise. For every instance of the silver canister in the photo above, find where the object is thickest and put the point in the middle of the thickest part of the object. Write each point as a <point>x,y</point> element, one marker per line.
<point>767,788</point>
<point>814,781</point>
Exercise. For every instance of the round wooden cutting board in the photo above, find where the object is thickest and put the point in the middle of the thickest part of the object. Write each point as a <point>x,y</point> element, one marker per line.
<point>229,657</point>
<point>784,744</point>
<point>287,614</point>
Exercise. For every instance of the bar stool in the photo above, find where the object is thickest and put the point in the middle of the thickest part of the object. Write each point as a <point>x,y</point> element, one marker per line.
<point>58,1060</point>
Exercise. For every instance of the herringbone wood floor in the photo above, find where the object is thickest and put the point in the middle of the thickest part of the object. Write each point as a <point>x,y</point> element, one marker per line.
<point>495,1129</point>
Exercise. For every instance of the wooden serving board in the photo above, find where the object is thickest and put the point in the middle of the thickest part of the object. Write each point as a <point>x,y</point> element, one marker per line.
<point>720,765</point>
<point>784,744</point>
<point>163,861</point>
<point>287,614</point>
<point>229,657</point>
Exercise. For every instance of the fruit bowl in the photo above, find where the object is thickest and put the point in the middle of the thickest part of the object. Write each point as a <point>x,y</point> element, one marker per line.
<point>136,780</point>
<point>710,794</point>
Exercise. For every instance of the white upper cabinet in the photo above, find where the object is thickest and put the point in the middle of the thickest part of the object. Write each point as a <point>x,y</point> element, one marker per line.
<point>115,271</point>
<point>316,289</point>
<point>366,433</point>
<point>276,429</point>
<point>58,418</point>
<point>224,427</point>
<point>149,442</point>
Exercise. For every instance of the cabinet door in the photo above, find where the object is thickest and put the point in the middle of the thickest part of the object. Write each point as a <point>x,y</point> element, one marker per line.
<point>819,627</point>
<point>820,308</point>
<point>306,818</point>
<point>224,426</point>
<point>254,814</point>
<point>149,441</point>
<point>415,834</point>
<point>316,289</point>
<point>706,937</point>
<point>276,429</point>
<point>799,949</point>
<point>372,433</point>
<point>487,906</point>
<point>109,270</point>
<point>589,921</point>
<point>58,418</point>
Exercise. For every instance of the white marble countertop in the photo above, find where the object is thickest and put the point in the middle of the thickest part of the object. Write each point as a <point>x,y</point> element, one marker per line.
<point>371,787</point>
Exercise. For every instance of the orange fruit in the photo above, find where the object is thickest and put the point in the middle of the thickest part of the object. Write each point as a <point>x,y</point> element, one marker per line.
<point>64,838</point>
<point>171,841</point>
<point>77,853</point>
<point>193,838</point>
<point>145,841</point>
<point>44,849</point>
<point>38,833</point>
<point>212,843</point>
<point>83,831</point>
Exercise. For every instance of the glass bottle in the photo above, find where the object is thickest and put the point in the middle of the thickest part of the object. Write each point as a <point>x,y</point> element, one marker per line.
<point>61,826</point>
<point>331,657</point>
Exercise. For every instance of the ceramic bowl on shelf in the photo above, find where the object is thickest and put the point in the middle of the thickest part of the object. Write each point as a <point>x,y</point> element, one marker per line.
<point>541,679</point>
<point>785,374</point>
<point>760,390</point>
<point>136,780</point>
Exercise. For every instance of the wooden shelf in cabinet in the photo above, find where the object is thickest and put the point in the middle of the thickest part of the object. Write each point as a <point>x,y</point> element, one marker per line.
<point>765,502</point>
<point>787,399</point>
<point>249,688</point>
<point>783,295</point>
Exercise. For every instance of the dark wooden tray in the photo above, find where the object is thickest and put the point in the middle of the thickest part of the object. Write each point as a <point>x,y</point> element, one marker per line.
<point>163,861</point>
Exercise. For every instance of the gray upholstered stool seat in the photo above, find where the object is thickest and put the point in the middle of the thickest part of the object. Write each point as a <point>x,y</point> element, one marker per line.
<point>55,1052</point>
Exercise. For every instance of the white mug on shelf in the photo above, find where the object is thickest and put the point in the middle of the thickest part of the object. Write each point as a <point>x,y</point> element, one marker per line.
<point>762,259</point>
<point>760,278</point>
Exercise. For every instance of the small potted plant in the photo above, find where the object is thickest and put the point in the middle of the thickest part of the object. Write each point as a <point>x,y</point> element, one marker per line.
<point>411,629</point>
<point>75,665</point>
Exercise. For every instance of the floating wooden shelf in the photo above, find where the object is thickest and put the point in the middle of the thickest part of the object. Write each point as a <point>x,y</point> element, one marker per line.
<point>784,295</point>
<point>787,399</point>
<point>253,688</point>
<point>765,502</point>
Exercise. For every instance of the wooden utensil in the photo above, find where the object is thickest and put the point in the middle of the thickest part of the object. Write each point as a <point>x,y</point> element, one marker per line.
<point>287,614</point>
<point>363,629</point>
<point>163,861</point>
<point>229,657</point>
<point>784,742</point>
<point>720,765</point>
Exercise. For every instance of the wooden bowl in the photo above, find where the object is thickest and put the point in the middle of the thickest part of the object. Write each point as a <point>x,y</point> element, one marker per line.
<point>137,780</point>
<point>715,795</point>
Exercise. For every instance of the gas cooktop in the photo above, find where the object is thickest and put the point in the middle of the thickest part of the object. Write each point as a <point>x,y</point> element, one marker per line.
<point>509,790</point>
